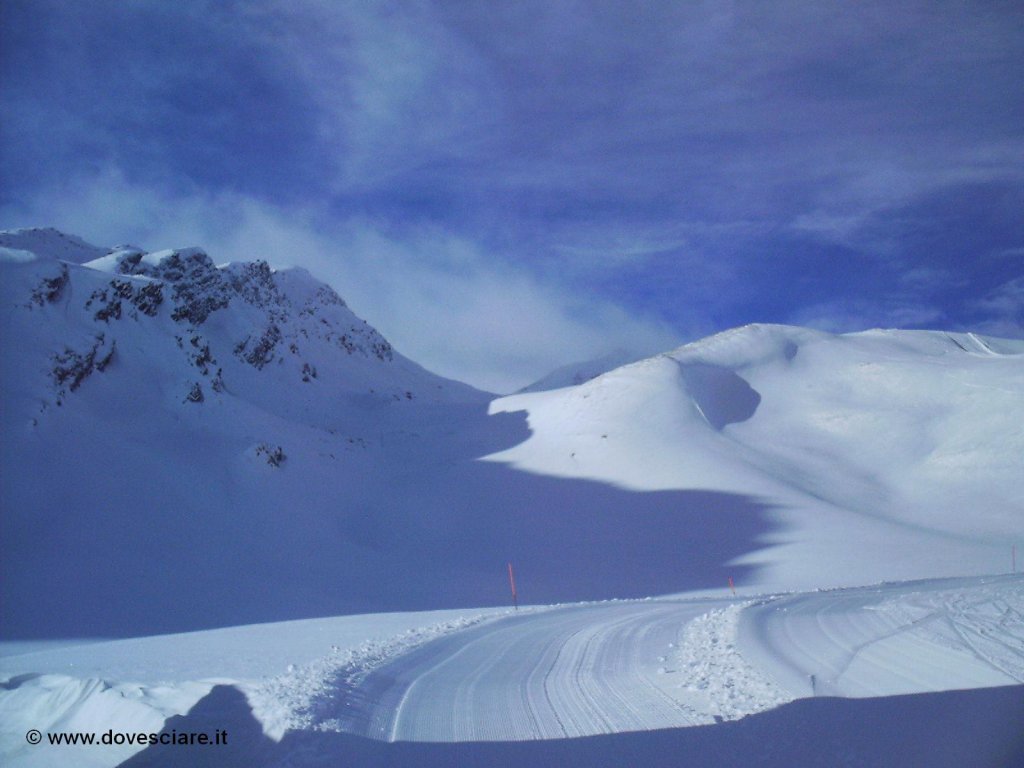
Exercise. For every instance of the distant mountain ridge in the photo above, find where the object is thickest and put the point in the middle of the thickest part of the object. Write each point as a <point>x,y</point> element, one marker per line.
<point>574,374</point>
<point>49,243</point>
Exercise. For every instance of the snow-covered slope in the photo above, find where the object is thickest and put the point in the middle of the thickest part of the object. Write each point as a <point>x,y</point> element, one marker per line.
<point>883,454</point>
<point>238,436</point>
<point>31,243</point>
<point>187,446</point>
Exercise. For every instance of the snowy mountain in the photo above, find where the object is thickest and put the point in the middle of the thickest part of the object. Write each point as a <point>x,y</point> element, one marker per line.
<point>237,435</point>
<point>180,316</point>
<point>188,446</point>
<point>882,454</point>
<point>46,242</point>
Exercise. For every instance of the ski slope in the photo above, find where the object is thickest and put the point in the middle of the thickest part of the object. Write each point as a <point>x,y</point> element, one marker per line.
<point>642,665</point>
<point>889,640</point>
<point>881,455</point>
<point>559,674</point>
<point>563,673</point>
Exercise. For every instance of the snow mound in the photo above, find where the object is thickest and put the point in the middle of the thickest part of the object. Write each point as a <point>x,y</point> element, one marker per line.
<point>889,454</point>
<point>715,679</point>
<point>58,703</point>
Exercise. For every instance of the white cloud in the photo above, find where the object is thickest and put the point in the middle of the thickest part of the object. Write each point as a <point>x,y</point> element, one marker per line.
<point>469,315</point>
<point>846,316</point>
<point>394,87</point>
<point>1004,308</point>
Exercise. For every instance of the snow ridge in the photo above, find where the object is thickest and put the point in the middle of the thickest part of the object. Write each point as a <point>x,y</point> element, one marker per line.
<point>49,243</point>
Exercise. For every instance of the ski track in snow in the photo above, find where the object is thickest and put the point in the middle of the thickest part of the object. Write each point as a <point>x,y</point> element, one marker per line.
<point>576,670</point>
<point>891,639</point>
<point>566,672</point>
<point>582,670</point>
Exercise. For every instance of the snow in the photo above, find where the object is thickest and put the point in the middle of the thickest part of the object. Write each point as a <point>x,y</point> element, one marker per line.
<point>299,692</point>
<point>136,685</point>
<point>715,678</point>
<point>893,639</point>
<point>200,461</point>
<point>48,243</point>
<point>869,447</point>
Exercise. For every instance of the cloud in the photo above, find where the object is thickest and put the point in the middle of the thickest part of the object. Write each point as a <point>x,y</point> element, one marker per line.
<point>781,112</point>
<point>845,316</point>
<point>696,165</point>
<point>442,300</point>
<point>395,90</point>
<point>1002,309</point>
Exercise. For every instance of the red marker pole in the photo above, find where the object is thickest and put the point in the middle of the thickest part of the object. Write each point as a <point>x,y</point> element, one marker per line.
<point>512,583</point>
<point>732,587</point>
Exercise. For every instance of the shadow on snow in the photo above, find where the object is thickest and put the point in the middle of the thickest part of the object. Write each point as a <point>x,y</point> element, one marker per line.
<point>423,524</point>
<point>981,728</point>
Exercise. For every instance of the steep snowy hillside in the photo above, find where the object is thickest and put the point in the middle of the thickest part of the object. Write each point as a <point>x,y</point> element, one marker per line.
<point>884,454</point>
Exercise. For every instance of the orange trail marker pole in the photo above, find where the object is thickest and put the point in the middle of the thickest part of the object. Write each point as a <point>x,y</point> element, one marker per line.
<point>512,583</point>
<point>732,587</point>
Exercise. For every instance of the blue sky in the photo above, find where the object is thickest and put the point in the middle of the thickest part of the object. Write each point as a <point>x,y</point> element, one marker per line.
<point>502,188</point>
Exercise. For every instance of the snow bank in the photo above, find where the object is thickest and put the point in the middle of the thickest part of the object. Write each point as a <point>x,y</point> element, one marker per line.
<point>714,678</point>
<point>306,697</point>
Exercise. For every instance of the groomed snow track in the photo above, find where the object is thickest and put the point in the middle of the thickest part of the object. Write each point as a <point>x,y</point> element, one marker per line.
<point>565,672</point>
<point>891,639</point>
<point>582,670</point>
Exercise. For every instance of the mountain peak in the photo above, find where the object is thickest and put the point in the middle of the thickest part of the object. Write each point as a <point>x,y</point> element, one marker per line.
<point>239,331</point>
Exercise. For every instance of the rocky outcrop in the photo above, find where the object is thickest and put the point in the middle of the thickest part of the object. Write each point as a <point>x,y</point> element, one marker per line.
<point>71,368</point>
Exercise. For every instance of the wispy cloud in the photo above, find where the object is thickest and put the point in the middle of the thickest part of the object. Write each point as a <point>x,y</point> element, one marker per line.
<point>1001,311</point>
<point>845,316</point>
<point>687,165</point>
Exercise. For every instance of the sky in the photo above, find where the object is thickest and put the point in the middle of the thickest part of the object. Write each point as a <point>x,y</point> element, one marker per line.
<point>504,188</point>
